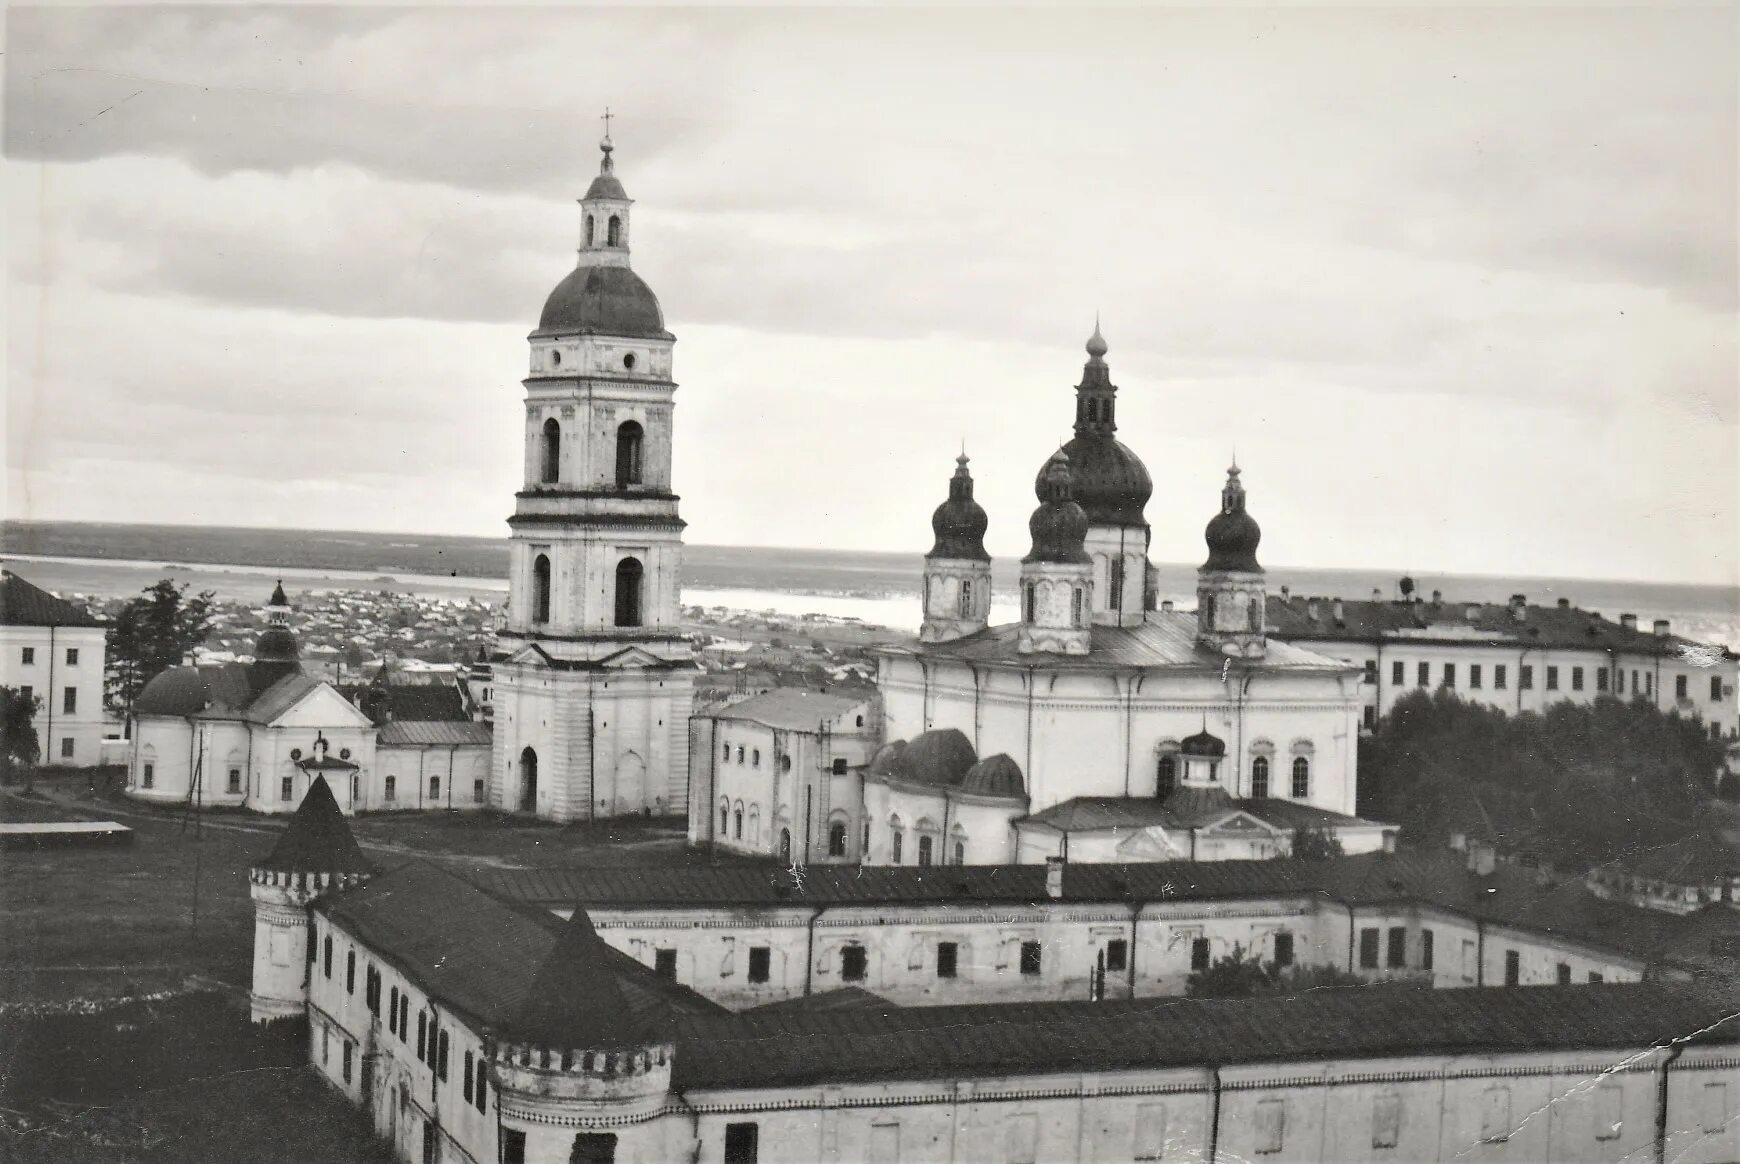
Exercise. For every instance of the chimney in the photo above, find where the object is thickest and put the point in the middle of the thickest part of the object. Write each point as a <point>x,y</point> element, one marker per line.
<point>1482,858</point>
<point>1166,606</point>
<point>1661,627</point>
<point>1286,593</point>
<point>1054,877</point>
<point>1628,621</point>
<point>1311,609</point>
<point>1564,604</point>
<point>1340,613</point>
<point>1519,607</point>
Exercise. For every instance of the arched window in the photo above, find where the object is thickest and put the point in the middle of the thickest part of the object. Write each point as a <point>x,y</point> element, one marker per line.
<point>960,852</point>
<point>1166,775</point>
<point>898,841</point>
<point>628,583</point>
<point>613,233</point>
<point>1115,595</point>
<point>785,845</point>
<point>1260,778</point>
<point>589,230</point>
<point>629,438</point>
<point>1076,605</point>
<point>737,823</point>
<point>550,450</point>
<point>1301,777</point>
<point>754,824</point>
<point>1029,604</point>
<point>966,606</point>
<point>1208,611</point>
<point>1257,617</point>
<point>541,588</point>
<point>528,781</point>
<point>724,815</point>
<point>837,839</point>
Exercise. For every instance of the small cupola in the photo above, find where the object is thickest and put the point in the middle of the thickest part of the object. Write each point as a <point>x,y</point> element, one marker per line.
<point>604,212</point>
<point>957,571</point>
<point>1096,397</point>
<point>1057,573</point>
<point>1231,599</point>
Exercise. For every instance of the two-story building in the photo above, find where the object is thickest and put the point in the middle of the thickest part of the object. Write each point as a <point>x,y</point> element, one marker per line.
<point>55,652</point>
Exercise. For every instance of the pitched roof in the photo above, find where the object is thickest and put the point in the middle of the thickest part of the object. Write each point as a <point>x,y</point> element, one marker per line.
<point>1565,628</point>
<point>799,1046</point>
<point>408,701</point>
<point>790,708</point>
<point>433,733</point>
<point>1696,859</point>
<point>1185,808</point>
<point>22,604</point>
<point>840,998</point>
<point>1164,639</point>
<point>318,839</point>
<point>484,956</point>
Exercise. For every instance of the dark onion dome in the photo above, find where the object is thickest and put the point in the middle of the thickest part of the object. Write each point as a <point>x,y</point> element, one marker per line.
<point>603,301</point>
<point>1111,484</point>
<point>1232,534</point>
<point>278,598</point>
<point>1203,743</point>
<point>887,757</point>
<point>960,522</point>
<point>940,757</point>
<point>997,775</point>
<point>276,644</point>
<point>1059,526</point>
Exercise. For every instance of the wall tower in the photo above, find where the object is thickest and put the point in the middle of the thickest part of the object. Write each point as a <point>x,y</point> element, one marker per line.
<point>593,679</point>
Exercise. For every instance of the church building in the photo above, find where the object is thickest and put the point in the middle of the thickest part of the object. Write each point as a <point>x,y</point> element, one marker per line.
<point>592,678</point>
<point>1098,727</point>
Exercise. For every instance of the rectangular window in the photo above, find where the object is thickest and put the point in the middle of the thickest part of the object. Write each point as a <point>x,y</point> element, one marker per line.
<point>1495,1115</point>
<point>1618,681</point>
<point>325,1044</point>
<point>1398,674</point>
<point>422,1036</point>
<point>1271,1126</point>
<point>27,656</point>
<point>1398,948</point>
<point>1425,949</point>
<point>66,747</point>
<point>1714,1117</point>
<point>742,1143</point>
<point>1564,974</point>
<point>1149,1140</point>
<point>1609,1111</point>
<point>287,788</point>
<point>760,957</point>
<point>1449,674</point>
<point>1600,678</point>
<point>434,788</point>
<point>1117,955</point>
<point>235,784</point>
<point>1649,685</point>
<point>665,964</point>
<point>393,1011</point>
<point>1368,948</point>
<point>350,972</point>
<point>28,692</point>
<point>1715,689</point>
<point>1576,678</point>
<point>513,1146</point>
<point>1371,671</point>
<point>346,1053</point>
<point>1370,719</point>
<point>1525,677</point>
<point>326,957</point>
<point>884,1145</point>
<point>1386,1120</point>
<point>1283,949</point>
<point>1498,676</point>
<point>946,955</point>
<point>1680,686</point>
<point>1199,954</point>
<point>1424,674</point>
<point>480,1093</point>
<point>854,960</point>
<point>1512,968</point>
<point>1595,976</point>
<point>69,701</point>
<point>391,790</point>
<point>465,1079</point>
<point>477,792</point>
<point>72,656</point>
<point>1031,955</point>
<point>1021,1139</point>
<point>1474,675</point>
<point>1552,678</point>
<point>441,1045</point>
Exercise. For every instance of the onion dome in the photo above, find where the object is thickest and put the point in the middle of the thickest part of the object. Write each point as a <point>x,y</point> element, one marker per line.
<point>1232,534</point>
<point>959,523</point>
<point>940,758</point>
<point>997,775</point>
<point>1203,743</point>
<point>887,758</point>
<point>1059,526</point>
<point>1111,484</point>
<point>601,300</point>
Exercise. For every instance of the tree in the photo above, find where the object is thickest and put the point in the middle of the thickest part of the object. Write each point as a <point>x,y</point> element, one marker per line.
<point>20,747</point>
<point>151,634</point>
<point>1234,975</point>
<point>1311,844</point>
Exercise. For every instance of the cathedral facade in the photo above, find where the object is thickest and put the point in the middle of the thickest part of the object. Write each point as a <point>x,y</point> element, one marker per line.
<point>592,677</point>
<point>1098,726</point>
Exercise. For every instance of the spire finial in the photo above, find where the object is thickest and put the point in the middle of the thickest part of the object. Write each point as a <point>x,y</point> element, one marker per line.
<point>1096,345</point>
<point>604,145</point>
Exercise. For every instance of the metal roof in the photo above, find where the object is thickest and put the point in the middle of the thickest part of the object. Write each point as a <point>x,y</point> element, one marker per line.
<point>790,708</point>
<point>22,604</point>
<point>432,733</point>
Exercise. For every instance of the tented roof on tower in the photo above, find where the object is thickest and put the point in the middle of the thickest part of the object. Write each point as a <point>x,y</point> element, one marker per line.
<point>575,999</point>
<point>318,840</point>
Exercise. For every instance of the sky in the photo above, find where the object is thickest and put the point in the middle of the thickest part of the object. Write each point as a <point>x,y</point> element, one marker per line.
<point>1458,286</point>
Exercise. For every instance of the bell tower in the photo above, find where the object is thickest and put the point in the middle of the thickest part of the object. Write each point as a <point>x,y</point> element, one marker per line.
<point>1231,600</point>
<point>593,677</point>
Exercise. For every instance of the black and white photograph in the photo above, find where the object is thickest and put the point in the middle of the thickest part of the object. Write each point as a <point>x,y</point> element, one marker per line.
<point>872,584</point>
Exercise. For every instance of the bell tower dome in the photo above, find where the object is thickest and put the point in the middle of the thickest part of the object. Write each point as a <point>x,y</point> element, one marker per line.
<point>1057,581</point>
<point>593,675</point>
